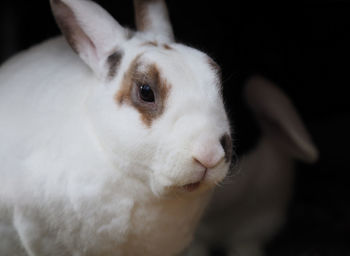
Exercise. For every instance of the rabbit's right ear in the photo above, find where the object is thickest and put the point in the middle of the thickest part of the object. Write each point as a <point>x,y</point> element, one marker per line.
<point>92,32</point>
<point>279,119</point>
<point>152,16</point>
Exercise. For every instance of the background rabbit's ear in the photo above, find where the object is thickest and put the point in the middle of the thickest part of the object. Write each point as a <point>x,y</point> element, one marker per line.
<point>89,29</point>
<point>152,16</point>
<point>279,119</point>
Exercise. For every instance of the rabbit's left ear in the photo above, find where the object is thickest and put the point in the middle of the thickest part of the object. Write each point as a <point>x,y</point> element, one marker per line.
<point>152,17</point>
<point>92,32</point>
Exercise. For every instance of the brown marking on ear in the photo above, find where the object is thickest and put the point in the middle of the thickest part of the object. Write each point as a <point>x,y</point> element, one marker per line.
<point>67,22</point>
<point>129,91</point>
<point>113,62</point>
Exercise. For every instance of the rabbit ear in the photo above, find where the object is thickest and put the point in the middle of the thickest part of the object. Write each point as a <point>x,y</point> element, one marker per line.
<point>279,118</point>
<point>152,16</point>
<point>89,29</point>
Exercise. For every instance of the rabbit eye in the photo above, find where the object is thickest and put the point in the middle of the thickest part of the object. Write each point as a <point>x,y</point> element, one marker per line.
<point>146,93</point>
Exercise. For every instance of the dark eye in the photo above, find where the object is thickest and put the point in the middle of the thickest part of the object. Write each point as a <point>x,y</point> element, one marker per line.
<point>146,93</point>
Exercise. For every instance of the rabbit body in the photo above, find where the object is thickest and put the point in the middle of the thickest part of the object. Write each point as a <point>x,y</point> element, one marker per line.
<point>41,185</point>
<point>84,171</point>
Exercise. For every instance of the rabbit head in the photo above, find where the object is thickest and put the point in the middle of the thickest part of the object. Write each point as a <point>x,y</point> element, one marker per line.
<point>156,105</point>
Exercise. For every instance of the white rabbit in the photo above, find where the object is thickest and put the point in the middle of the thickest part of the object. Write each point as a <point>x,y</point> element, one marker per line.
<point>248,210</point>
<point>113,153</point>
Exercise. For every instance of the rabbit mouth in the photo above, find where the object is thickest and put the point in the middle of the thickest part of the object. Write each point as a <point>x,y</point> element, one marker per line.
<point>195,185</point>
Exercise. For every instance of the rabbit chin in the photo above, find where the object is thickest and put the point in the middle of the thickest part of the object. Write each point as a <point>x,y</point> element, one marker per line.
<point>162,185</point>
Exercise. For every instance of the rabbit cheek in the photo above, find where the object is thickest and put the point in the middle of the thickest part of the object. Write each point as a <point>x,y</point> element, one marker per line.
<point>129,92</point>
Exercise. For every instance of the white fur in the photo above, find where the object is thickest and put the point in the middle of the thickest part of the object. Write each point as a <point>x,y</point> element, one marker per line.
<point>83,175</point>
<point>249,209</point>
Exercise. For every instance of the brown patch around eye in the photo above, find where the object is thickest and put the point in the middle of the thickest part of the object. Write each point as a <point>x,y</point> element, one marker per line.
<point>129,91</point>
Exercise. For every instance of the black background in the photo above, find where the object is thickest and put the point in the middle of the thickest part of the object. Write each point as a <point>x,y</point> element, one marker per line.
<point>302,46</point>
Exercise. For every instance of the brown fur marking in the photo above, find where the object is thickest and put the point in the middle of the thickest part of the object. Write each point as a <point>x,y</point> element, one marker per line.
<point>113,62</point>
<point>155,44</point>
<point>129,94</point>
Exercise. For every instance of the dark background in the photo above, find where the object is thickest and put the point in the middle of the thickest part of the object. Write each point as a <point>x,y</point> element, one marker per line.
<point>302,46</point>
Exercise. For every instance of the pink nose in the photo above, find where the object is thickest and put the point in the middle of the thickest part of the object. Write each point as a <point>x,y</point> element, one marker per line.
<point>211,153</point>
